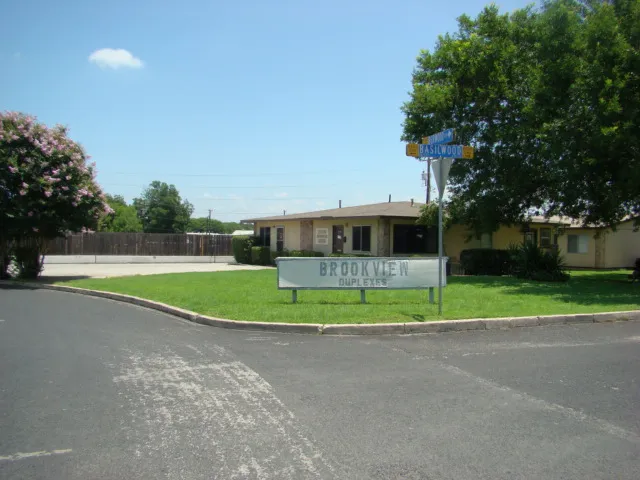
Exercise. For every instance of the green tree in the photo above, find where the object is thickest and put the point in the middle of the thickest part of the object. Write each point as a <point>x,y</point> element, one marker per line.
<point>46,190</point>
<point>230,227</point>
<point>124,217</point>
<point>205,224</point>
<point>162,210</point>
<point>549,98</point>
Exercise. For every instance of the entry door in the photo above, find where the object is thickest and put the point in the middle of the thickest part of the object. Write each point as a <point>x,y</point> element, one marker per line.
<point>338,238</point>
<point>279,239</point>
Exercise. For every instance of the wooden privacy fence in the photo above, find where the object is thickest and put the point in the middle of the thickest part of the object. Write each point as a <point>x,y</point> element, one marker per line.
<point>122,243</point>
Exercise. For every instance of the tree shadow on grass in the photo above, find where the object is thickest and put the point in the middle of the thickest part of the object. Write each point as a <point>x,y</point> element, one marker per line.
<point>598,288</point>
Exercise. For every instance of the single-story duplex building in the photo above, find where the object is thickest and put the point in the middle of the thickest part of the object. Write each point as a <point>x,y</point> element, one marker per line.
<point>389,229</point>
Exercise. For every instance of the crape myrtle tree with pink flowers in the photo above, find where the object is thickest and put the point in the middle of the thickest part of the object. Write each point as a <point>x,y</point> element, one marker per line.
<point>47,189</point>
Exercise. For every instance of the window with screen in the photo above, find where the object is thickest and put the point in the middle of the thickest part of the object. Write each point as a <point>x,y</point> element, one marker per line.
<point>361,238</point>
<point>545,237</point>
<point>577,243</point>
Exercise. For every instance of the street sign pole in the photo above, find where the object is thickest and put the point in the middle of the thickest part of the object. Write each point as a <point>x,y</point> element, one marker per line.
<point>440,195</point>
<point>439,154</point>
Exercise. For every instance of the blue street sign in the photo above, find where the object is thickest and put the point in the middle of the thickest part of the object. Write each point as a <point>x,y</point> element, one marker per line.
<point>445,136</point>
<point>442,151</point>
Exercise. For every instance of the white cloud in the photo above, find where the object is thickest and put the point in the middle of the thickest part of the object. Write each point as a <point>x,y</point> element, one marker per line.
<point>115,58</point>
<point>281,195</point>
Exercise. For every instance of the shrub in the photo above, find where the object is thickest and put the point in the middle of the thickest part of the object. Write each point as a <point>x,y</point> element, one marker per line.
<point>5,260</point>
<point>529,261</point>
<point>305,253</point>
<point>29,261</point>
<point>485,261</point>
<point>260,256</point>
<point>283,253</point>
<point>241,246</point>
<point>349,255</point>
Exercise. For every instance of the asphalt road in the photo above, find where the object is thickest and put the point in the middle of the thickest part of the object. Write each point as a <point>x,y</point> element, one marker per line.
<point>91,389</point>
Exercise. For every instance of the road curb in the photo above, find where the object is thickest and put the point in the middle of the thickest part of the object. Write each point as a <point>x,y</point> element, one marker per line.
<point>437,326</point>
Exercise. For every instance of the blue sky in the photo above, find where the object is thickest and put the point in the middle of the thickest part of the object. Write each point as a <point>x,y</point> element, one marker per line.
<point>249,108</point>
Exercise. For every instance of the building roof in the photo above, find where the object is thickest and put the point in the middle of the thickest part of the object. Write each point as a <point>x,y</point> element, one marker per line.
<point>386,209</point>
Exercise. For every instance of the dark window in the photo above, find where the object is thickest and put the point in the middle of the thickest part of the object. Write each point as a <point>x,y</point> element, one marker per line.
<point>361,239</point>
<point>545,237</point>
<point>414,239</point>
<point>265,236</point>
<point>531,237</point>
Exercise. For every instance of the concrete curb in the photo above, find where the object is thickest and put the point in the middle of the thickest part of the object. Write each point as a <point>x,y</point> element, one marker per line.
<point>437,326</point>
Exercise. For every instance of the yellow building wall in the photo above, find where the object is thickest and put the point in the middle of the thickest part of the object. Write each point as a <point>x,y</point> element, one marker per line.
<point>506,236</point>
<point>291,233</point>
<point>455,240</point>
<point>580,260</point>
<point>622,247</point>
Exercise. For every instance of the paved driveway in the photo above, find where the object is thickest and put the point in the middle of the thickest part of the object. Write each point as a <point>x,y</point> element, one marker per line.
<point>93,270</point>
<point>90,388</point>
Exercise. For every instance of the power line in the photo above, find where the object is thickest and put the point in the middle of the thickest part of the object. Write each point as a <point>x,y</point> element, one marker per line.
<point>219,186</point>
<point>275,199</point>
<point>238,175</point>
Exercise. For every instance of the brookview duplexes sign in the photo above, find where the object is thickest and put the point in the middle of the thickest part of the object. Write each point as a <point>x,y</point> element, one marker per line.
<point>373,273</point>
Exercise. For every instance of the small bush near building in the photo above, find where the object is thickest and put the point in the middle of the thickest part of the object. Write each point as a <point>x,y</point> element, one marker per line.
<point>241,246</point>
<point>261,255</point>
<point>529,261</point>
<point>485,261</point>
<point>305,253</point>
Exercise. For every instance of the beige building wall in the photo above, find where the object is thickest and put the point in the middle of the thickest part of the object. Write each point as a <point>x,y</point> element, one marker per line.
<point>291,233</point>
<point>622,246</point>
<point>580,260</point>
<point>347,224</point>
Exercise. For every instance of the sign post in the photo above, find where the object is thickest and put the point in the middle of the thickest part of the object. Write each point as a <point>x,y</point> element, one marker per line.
<point>436,147</point>
<point>441,167</point>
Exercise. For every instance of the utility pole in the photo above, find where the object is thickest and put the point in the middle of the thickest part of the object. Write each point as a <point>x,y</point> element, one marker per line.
<point>209,231</point>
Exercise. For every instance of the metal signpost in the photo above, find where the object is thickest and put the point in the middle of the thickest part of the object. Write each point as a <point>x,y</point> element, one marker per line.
<point>436,147</point>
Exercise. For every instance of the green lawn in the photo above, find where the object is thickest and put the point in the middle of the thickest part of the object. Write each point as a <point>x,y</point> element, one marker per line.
<point>253,296</point>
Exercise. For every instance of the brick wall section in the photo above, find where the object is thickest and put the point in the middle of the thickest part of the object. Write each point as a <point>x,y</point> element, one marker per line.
<point>306,235</point>
<point>384,238</point>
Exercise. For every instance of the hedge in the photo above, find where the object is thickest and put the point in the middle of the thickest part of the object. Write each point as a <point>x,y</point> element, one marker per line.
<point>241,246</point>
<point>349,255</point>
<point>485,261</point>
<point>261,255</point>
<point>305,253</point>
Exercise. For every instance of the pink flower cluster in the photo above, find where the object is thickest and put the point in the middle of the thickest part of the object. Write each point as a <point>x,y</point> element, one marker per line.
<point>15,126</point>
<point>51,165</point>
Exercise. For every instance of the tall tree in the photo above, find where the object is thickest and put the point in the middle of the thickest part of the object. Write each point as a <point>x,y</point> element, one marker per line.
<point>124,217</point>
<point>162,210</point>
<point>550,100</point>
<point>46,189</point>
